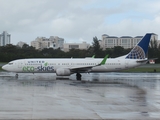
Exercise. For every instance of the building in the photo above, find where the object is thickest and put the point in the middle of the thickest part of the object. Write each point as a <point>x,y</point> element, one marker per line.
<point>20,44</point>
<point>56,42</point>
<point>155,37</point>
<point>124,41</point>
<point>5,38</point>
<point>53,42</point>
<point>81,46</point>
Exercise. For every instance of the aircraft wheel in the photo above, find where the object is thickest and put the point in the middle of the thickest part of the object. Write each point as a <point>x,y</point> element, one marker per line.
<point>16,75</point>
<point>78,75</point>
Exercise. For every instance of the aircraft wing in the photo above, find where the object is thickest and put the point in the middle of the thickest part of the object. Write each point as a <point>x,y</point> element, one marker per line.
<point>88,68</point>
<point>81,69</point>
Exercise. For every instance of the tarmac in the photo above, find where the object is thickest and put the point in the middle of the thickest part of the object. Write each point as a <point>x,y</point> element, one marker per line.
<point>97,96</point>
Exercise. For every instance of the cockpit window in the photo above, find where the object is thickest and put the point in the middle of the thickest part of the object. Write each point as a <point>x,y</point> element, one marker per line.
<point>10,63</point>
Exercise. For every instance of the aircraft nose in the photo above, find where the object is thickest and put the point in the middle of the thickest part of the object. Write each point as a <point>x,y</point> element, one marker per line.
<point>4,67</point>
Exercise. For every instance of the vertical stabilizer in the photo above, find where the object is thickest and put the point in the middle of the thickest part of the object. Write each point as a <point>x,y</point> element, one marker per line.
<point>141,49</point>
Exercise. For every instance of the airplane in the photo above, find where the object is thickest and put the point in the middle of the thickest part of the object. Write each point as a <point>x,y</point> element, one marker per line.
<point>65,67</point>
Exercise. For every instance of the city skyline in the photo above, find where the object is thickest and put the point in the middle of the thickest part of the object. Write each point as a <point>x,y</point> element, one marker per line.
<point>78,21</point>
<point>56,41</point>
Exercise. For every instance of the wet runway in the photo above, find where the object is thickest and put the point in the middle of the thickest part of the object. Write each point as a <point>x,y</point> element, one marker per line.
<point>98,96</point>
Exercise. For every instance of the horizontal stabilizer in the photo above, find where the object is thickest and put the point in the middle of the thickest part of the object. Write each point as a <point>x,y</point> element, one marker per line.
<point>146,60</point>
<point>152,59</point>
<point>141,61</point>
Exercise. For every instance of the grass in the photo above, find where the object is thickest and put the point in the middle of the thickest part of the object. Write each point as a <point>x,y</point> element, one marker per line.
<point>145,68</point>
<point>1,68</point>
<point>1,64</point>
<point>140,69</point>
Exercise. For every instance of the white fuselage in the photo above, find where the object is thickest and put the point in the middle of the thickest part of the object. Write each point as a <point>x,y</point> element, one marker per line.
<point>51,65</point>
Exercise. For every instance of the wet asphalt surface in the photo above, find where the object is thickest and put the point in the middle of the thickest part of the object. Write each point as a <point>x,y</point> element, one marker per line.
<point>97,96</point>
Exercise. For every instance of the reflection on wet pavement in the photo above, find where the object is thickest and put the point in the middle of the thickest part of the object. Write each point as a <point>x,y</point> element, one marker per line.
<point>98,96</point>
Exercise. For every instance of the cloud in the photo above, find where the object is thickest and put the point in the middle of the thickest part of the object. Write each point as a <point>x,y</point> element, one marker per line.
<point>76,20</point>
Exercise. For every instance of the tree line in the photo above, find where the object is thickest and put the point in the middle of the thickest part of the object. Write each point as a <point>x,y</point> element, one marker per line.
<point>12,52</point>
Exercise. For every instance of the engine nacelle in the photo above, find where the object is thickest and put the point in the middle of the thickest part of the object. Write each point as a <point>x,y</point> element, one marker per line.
<point>63,72</point>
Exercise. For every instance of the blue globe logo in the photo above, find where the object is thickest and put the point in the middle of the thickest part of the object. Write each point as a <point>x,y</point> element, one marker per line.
<point>136,53</point>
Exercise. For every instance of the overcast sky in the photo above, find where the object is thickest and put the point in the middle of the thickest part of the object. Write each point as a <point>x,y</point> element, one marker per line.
<point>78,20</point>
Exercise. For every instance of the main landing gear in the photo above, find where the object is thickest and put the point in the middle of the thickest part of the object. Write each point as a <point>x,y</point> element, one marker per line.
<point>78,75</point>
<point>16,75</point>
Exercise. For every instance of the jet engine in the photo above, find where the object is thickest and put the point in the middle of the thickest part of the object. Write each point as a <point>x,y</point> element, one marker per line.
<point>63,72</point>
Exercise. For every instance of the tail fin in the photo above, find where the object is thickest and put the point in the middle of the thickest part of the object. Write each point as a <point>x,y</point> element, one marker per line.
<point>141,49</point>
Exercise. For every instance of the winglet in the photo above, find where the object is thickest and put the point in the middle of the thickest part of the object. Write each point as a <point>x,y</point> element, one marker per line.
<point>93,56</point>
<point>104,60</point>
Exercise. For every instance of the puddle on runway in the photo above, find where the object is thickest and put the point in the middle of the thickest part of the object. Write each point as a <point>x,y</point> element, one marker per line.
<point>98,96</point>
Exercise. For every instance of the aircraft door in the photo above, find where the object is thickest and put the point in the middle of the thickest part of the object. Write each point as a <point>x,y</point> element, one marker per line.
<point>20,64</point>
